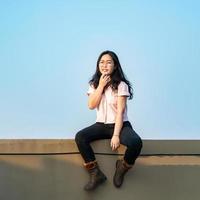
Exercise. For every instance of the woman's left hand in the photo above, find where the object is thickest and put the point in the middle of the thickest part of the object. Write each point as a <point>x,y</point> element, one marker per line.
<point>115,142</point>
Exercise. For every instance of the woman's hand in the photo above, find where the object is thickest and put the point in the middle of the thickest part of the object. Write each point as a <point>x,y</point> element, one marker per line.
<point>104,80</point>
<point>115,142</point>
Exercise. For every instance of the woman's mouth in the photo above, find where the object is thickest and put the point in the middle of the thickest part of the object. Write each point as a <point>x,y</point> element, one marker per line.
<point>104,70</point>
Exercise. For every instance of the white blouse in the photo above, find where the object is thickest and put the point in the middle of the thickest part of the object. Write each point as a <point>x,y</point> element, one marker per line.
<point>107,108</point>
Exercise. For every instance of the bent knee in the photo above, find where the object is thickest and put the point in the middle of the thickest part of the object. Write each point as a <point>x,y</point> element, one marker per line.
<point>78,137</point>
<point>136,144</point>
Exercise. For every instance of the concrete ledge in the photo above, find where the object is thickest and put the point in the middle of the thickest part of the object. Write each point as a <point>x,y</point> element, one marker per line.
<point>45,146</point>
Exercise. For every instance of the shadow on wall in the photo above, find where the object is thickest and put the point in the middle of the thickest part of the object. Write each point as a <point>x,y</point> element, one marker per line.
<point>61,177</point>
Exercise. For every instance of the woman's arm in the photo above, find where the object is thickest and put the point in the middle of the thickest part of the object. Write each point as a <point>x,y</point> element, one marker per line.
<point>121,105</point>
<point>95,97</point>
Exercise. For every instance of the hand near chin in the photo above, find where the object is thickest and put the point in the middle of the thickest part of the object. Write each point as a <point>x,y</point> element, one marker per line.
<point>104,80</point>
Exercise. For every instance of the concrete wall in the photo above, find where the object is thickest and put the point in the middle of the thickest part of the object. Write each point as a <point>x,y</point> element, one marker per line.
<point>150,147</point>
<point>52,169</point>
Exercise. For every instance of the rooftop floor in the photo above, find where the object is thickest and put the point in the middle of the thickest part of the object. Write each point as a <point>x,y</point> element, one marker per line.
<point>52,169</point>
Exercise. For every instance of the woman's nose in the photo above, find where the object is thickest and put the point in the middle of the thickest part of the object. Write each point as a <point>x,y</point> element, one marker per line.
<point>104,65</point>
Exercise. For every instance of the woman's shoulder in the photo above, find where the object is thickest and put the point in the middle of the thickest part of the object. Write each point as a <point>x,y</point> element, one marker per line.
<point>91,85</point>
<point>91,89</point>
<point>123,89</point>
<point>122,84</point>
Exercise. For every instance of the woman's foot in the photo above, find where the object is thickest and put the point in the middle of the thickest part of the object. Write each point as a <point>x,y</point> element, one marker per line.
<point>121,168</point>
<point>96,176</point>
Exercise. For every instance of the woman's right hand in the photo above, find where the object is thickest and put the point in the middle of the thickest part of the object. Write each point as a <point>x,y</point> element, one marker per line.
<point>104,80</point>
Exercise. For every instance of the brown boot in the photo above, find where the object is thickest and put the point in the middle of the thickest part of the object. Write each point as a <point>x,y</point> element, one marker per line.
<point>121,168</point>
<point>96,175</point>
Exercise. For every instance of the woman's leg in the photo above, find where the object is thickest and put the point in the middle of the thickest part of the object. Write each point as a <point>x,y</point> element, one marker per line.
<point>129,138</point>
<point>85,136</point>
<point>132,141</point>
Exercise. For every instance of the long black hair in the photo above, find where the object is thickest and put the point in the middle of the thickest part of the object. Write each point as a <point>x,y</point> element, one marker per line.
<point>116,77</point>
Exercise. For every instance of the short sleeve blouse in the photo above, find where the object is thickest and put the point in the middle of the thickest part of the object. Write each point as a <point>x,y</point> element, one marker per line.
<point>107,108</point>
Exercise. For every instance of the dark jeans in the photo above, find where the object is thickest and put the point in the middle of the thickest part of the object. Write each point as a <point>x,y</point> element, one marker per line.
<point>97,131</point>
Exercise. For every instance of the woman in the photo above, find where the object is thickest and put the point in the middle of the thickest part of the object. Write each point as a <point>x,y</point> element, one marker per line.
<point>108,92</point>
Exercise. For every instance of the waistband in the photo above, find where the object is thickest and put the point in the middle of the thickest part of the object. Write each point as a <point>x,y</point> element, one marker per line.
<point>125,123</point>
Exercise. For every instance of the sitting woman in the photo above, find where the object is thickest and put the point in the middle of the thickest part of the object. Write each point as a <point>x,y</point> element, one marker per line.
<point>108,93</point>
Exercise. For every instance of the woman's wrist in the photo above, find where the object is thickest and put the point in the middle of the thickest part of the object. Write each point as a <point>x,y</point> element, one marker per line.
<point>115,135</point>
<point>100,87</point>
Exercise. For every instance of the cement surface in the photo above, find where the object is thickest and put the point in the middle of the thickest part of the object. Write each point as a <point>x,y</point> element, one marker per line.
<point>68,146</point>
<point>62,177</point>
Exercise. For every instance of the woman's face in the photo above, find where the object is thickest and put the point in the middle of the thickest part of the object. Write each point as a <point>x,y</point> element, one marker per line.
<point>106,64</point>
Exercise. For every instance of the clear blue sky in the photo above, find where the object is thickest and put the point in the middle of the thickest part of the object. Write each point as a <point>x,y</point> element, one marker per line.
<point>48,52</point>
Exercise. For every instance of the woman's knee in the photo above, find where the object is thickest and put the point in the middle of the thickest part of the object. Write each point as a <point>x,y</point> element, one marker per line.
<point>136,143</point>
<point>79,137</point>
